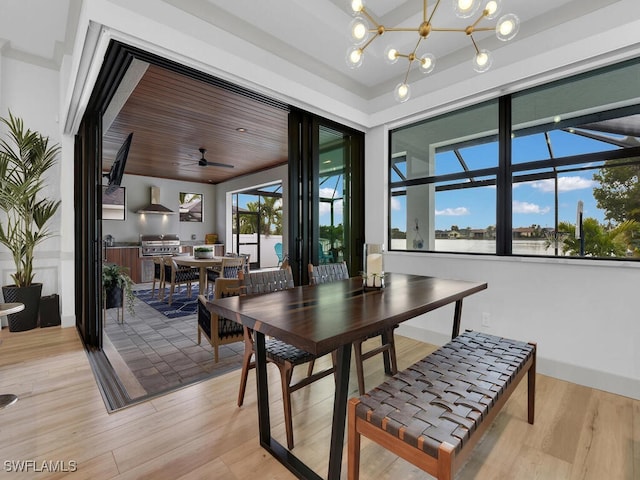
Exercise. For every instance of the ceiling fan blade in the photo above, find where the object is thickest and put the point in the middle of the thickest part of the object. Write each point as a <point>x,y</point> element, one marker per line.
<point>203,162</point>
<point>216,164</point>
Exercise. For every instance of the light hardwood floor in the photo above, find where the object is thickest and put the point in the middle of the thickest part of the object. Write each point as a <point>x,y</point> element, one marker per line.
<point>199,432</point>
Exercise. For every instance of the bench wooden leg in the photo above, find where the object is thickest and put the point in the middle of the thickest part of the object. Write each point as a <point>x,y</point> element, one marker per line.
<point>445,461</point>
<point>531,387</point>
<point>353,445</point>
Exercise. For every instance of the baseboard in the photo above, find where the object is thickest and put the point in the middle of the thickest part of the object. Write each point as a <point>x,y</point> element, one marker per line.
<point>619,385</point>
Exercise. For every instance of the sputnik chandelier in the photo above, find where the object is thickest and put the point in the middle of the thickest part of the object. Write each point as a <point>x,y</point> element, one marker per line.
<point>363,25</point>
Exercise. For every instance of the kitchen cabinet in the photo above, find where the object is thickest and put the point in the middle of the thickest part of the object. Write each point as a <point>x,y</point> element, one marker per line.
<point>128,257</point>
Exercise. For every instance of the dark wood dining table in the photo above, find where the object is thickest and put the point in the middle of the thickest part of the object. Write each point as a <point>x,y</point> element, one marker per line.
<point>328,317</point>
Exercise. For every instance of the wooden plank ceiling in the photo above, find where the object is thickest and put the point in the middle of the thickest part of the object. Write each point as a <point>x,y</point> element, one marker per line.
<point>172,116</point>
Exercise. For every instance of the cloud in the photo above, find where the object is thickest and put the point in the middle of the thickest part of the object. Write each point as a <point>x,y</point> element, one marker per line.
<point>395,204</point>
<point>565,184</point>
<point>526,207</point>
<point>325,207</point>
<point>453,212</point>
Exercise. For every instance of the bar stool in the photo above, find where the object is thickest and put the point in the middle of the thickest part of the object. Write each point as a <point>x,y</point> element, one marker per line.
<point>7,309</point>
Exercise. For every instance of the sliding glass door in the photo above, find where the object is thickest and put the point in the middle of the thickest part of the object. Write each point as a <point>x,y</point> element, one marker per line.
<point>327,194</point>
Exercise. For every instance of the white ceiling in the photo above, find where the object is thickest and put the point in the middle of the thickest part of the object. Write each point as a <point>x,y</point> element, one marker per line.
<point>312,34</point>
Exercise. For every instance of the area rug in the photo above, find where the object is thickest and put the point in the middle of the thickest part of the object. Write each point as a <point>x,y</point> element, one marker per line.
<point>181,304</point>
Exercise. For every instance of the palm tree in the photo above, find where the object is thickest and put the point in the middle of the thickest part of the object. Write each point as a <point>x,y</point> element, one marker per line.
<point>598,241</point>
<point>25,156</point>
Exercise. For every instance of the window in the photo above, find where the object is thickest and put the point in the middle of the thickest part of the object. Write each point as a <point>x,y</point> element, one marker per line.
<point>573,142</point>
<point>443,183</point>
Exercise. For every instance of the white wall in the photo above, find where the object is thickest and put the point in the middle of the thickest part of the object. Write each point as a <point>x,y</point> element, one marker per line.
<point>138,195</point>
<point>32,93</point>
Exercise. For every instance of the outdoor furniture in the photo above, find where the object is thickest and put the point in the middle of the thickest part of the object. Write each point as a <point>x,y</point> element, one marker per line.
<point>229,268</point>
<point>278,248</point>
<point>203,264</point>
<point>178,275</point>
<point>322,318</point>
<point>219,330</point>
<point>158,275</point>
<point>433,413</point>
<point>283,355</point>
<point>323,257</point>
<point>332,272</point>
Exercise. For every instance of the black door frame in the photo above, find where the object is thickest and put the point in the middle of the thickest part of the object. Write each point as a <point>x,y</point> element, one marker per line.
<point>304,188</point>
<point>88,181</point>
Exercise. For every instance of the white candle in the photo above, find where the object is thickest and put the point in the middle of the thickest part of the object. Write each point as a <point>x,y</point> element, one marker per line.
<point>374,268</point>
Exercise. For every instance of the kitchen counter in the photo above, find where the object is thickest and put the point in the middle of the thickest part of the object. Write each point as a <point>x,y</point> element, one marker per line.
<point>124,245</point>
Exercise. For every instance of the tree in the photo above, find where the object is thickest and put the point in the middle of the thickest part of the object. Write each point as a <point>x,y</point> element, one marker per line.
<point>619,191</point>
<point>598,241</point>
<point>271,215</point>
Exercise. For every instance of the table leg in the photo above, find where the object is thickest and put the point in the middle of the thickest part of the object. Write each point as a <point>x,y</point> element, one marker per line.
<point>284,456</point>
<point>386,356</point>
<point>339,411</point>
<point>264,420</point>
<point>456,319</point>
<point>203,281</point>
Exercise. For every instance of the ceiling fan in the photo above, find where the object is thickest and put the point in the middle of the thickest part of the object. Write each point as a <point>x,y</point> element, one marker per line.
<point>203,162</point>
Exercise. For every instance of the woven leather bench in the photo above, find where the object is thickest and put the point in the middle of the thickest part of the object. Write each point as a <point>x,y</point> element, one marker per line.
<point>433,413</point>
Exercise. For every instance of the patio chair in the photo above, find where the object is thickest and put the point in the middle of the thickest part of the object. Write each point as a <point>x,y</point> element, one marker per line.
<point>333,272</point>
<point>278,248</point>
<point>158,275</point>
<point>323,257</point>
<point>283,355</point>
<point>219,330</point>
<point>178,275</point>
<point>228,269</point>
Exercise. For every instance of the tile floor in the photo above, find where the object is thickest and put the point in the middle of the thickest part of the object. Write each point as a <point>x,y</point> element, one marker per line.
<point>161,353</point>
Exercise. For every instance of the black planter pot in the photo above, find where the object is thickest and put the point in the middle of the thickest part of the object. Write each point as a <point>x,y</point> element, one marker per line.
<point>27,319</point>
<point>113,297</point>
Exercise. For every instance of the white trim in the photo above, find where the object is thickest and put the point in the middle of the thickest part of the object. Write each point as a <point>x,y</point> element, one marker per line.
<point>629,387</point>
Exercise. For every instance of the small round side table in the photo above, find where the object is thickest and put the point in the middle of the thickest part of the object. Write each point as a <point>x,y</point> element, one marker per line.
<point>7,309</point>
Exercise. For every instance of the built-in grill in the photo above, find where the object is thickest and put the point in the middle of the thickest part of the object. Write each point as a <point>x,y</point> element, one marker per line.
<point>159,244</point>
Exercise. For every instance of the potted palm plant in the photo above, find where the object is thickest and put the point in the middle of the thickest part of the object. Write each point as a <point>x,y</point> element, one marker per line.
<point>117,287</point>
<point>25,157</point>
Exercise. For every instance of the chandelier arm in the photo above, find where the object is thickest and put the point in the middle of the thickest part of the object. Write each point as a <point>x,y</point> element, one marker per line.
<point>412,57</point>
<point>484,14</point>
<point>371,19</point>
<point>401,29</point>
<point>474,43</point>
<point>369,42</point>
<point>406,75</point>
<point>449,29</point>
<point>435,8</point>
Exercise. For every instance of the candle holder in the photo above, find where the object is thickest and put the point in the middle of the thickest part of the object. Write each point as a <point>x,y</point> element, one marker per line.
<point>373,273</point>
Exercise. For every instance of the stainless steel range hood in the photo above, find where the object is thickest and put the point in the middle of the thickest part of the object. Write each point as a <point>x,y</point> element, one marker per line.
<point>155,207</point>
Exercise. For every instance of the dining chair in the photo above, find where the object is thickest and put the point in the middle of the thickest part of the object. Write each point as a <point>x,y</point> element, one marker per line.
<point>158,275</point>
<point>219,330</point>
<point>178,275</point>
<point>229,268</point>
<point>333,272</point>
<point>283,355</point>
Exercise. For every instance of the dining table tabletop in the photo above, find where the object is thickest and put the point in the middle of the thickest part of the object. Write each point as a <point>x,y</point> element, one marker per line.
<point>330,317</point>
<point>202,263</point>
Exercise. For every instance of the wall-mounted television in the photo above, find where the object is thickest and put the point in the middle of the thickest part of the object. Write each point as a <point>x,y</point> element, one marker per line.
<point>114,177</point>
<point>114,203</point>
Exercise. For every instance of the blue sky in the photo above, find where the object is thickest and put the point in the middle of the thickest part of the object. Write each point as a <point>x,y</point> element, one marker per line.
<point>533,202</point>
